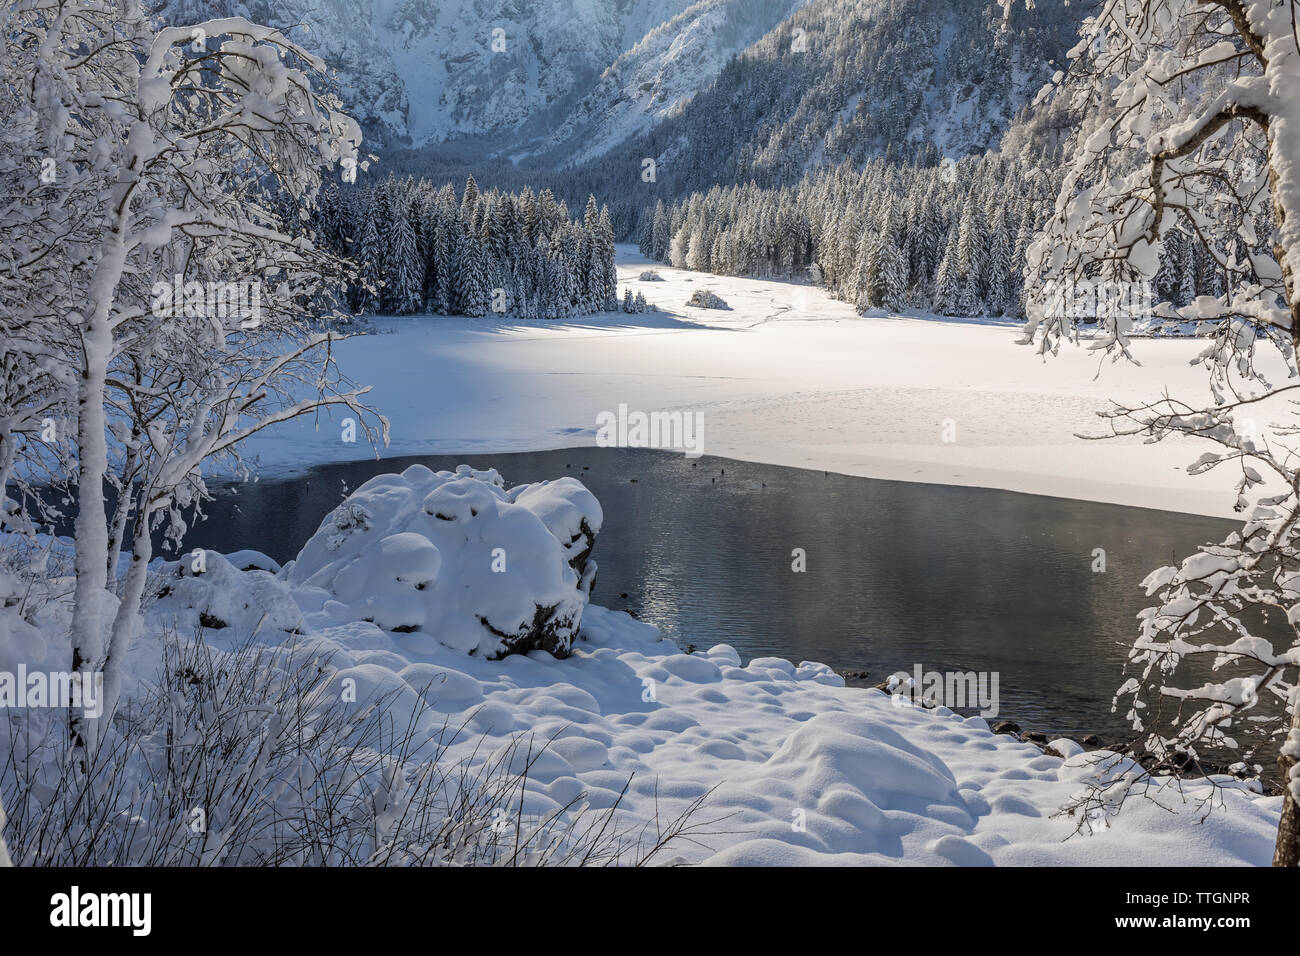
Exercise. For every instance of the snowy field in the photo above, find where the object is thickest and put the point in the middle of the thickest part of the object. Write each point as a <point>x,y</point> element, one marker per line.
<point>787,376</point>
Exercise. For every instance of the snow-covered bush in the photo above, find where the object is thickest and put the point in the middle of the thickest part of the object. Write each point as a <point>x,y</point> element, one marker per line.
<point>4,851</point>
<point>458,557</point>
<point>251,757</point>
<point>650,275</point>
<point>704,299</point>
<point>209,590</point>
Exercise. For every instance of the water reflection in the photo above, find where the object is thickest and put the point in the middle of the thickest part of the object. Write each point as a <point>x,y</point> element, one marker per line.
<point>897,574</point>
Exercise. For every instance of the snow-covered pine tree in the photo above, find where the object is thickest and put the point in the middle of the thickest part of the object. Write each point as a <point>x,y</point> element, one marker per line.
<point>1024,237</point>
<point>404,274</point>
<point>947,284</point>
<point>931,241</point>
<point>678,248</point>
<point>660,232</point>
<point>645,231</point>
<point>369,255</point>
<point>556,296</point>
<point>608,270</point>
<point>972,262</point>
<point>475,291</point>
<point>998,265</point>
<point>893,276</point>
<point>469,204</point>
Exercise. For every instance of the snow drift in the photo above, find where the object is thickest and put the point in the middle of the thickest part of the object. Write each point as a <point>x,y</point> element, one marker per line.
<point>456,556</point>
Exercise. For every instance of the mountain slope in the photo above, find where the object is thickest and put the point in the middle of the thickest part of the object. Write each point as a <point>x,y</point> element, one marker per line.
<point>715,90</point>
<point>423,71</point>
<point>851,79</point>
<point>661,73</point>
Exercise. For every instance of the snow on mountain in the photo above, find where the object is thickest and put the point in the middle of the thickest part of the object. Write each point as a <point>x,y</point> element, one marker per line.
<point>421,71</point>
<point>493,65</point>
<point>850,79</point>
<point>662,72</point>
<point>749,81</point>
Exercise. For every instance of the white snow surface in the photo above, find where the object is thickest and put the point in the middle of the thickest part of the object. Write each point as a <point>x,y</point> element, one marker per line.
<point>789,377</point>
<point>797,768</point>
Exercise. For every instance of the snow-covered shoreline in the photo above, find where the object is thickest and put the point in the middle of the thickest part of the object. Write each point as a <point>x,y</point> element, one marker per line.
<point>788,765</point>
<point>806,770</point>
<point>795,767</point>
<point>887,393</point>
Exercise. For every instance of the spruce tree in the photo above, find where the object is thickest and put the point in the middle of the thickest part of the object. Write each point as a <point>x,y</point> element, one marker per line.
<point>971,258</point>
<point>475,290</point>
<point>370,275</point>
<point>998,266</point>
<point>947,284</point>
<point>404,272</point>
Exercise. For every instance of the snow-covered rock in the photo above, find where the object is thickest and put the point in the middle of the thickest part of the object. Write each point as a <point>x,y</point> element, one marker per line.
<point>704,299</point>
<point>457,557</point>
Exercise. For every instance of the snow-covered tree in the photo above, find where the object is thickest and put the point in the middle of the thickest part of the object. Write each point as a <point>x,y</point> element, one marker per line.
<point>998,266</point>
<point>404,275</point>
<point>366,291</point>
<point>475,291</point>
<point>1193,124</point>
<point>947,284</point>
<point>972,258</point>
<point>151,162</point>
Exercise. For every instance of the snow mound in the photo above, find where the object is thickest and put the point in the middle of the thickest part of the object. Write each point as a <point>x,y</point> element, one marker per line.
<point>208,590</point>
<point>20,641</point>
<point>704,299</point>
<point>457,557</point>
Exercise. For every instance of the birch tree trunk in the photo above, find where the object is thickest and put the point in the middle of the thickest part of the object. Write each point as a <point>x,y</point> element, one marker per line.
<point>1287,850</point>
<point>91,597</point>
<point>127,622</point>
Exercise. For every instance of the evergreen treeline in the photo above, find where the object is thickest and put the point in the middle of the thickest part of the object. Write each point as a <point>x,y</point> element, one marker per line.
<point>949,239</point>
<point>421,249</point>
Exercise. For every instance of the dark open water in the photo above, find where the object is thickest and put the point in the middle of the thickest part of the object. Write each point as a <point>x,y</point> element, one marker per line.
<point>897,573</point>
